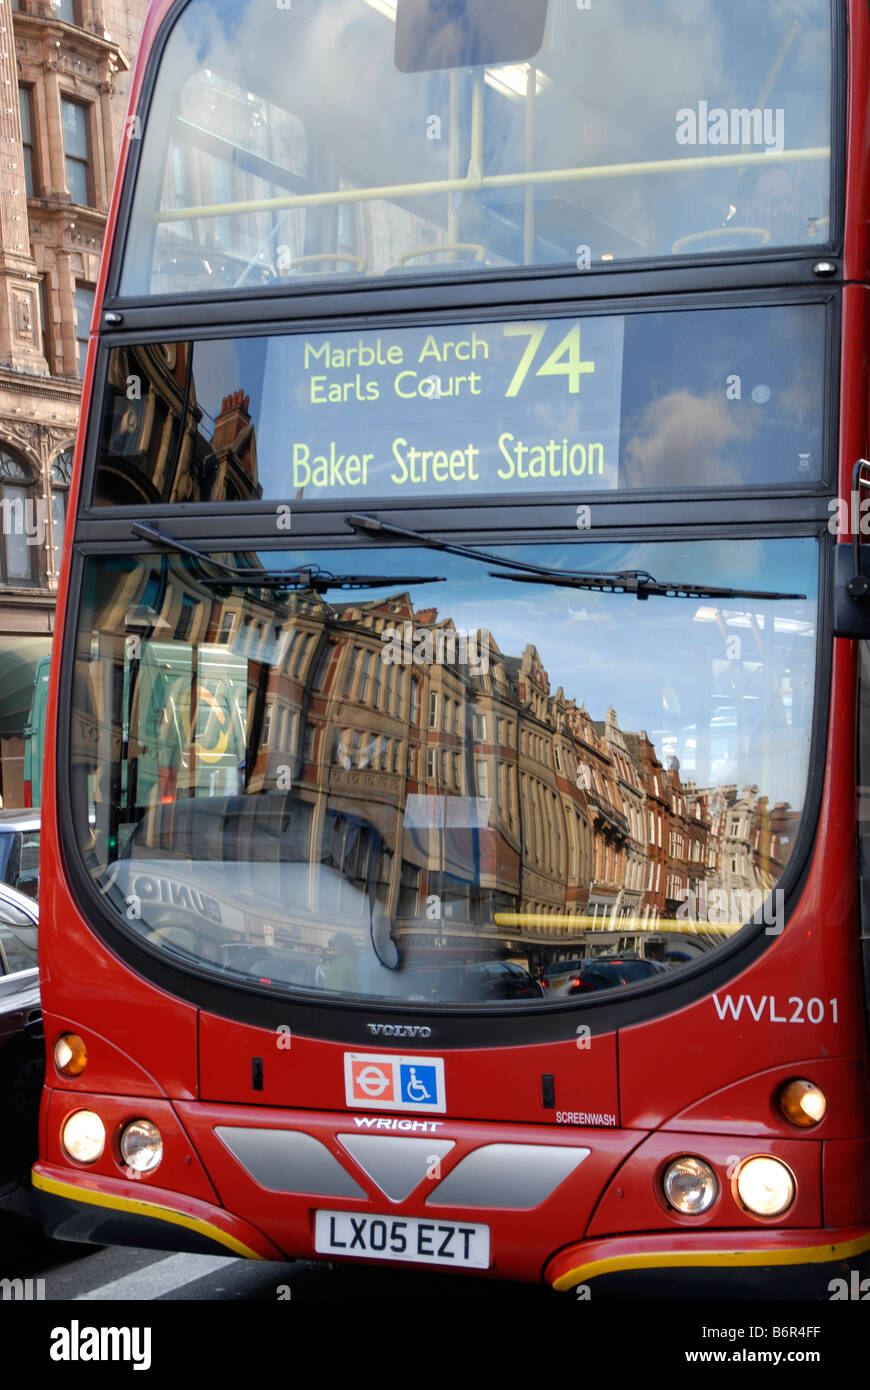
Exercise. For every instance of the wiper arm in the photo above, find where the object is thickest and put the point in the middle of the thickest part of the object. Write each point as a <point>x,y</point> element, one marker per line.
<point>637,582</point>
<point>149,533</point>
<point>309,578</point>
<point>312,579</point>
<point>370,526</point>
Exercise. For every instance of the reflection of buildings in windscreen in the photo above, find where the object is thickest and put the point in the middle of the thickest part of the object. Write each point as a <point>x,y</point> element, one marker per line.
<point>161,445</point>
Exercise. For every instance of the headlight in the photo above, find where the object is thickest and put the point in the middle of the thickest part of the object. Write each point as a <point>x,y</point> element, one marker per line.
<point>765,1186</point>
<point>83,1136</point>
<point>70,1054</point>
<point>690,1185</point>
<point>141,1146</point>
<point>803,1103</point>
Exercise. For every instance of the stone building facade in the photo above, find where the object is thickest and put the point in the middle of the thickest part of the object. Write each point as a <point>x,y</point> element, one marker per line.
<point>65,71</point>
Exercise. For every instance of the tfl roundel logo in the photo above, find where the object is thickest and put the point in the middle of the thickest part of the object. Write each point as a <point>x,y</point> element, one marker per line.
<point>373,1081</point>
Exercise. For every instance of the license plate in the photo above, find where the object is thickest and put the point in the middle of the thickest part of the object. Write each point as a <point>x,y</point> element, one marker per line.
<point>402,1238</point>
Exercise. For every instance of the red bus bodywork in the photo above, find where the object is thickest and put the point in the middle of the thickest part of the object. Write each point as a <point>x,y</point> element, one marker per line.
<point>703,1080</point>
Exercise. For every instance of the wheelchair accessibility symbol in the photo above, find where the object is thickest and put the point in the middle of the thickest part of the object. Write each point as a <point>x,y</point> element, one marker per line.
<point>418,1083</point>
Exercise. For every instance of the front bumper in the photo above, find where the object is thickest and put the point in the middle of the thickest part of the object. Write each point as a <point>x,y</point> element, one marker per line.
<point>790,1264</point>
<point>766,1264</point>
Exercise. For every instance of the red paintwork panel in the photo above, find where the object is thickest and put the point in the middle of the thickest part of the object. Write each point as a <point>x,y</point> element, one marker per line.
<point>751,1105</point>
<point>631,1202</point>
<point>856,261</point>
<point>846,1182</point>
<point>521,1240</point>
<point>502,1084</point>
<point>180,1171</point>
<point>88,988</point>
<point>109,1069</point>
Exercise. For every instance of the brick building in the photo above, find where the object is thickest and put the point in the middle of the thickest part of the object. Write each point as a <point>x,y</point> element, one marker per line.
<point>66,70</point>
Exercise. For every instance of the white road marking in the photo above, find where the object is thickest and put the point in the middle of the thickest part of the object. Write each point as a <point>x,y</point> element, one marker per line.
<point>159,1278</point>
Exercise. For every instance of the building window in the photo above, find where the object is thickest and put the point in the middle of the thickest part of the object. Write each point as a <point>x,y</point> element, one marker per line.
<point>323,660</point>
<point>75,145</point>
<point>308,742</point>
<point>184,626</point>
<point>60,474</point>
<point>65,10</point>
<point>226,628</point>
<point>84,311</point>
<point>433,709</point>
<point>431,764</point>
<point>24,108</point>
<point>19,530</point>
<point>479,723</point>
<point>350,671</point>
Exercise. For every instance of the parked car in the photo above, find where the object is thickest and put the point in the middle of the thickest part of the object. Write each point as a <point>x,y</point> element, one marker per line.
<point>557,977</point>
<point>607,972</point>
<point>19,851</point>
<point>22,1051</point>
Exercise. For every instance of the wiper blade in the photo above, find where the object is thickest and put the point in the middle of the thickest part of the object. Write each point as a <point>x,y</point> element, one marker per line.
<point>312,579</point>
<point>638,582</point>
<point>306,579</point>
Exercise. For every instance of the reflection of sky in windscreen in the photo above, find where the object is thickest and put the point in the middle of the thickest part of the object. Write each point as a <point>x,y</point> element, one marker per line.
<point>614,78</point>
<point>661,663</point>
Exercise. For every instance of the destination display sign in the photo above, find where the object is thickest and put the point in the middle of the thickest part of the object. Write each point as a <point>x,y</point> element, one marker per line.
<point>479,409</point>
<point>567,406</point>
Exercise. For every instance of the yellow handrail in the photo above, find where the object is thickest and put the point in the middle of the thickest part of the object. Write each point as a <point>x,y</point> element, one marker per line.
<point>623,924</point>
<point>389,192</point>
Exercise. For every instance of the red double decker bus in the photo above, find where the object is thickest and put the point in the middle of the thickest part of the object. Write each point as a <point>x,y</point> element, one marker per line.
<point>452,848</point>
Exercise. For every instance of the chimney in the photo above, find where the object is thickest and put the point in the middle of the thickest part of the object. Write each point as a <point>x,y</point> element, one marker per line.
<point>231,421</point>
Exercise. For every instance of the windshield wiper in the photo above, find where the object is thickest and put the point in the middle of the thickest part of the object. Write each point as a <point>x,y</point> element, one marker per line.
<point>312,578</point>
<point>149,533</point>
<point>305,580</point>
<point>638,582</point>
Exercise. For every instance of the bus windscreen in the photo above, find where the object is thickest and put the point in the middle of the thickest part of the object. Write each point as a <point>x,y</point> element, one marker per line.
<point>336,140</point>
<point>444,787</point>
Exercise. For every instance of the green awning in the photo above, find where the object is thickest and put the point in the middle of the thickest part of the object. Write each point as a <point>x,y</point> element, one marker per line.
<point>19,657</point>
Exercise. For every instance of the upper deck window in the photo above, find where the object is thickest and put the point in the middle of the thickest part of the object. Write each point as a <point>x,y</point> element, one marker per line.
<point>336,139</point>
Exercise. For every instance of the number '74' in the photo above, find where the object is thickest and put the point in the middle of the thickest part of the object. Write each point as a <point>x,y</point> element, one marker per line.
<point>564,360</point>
